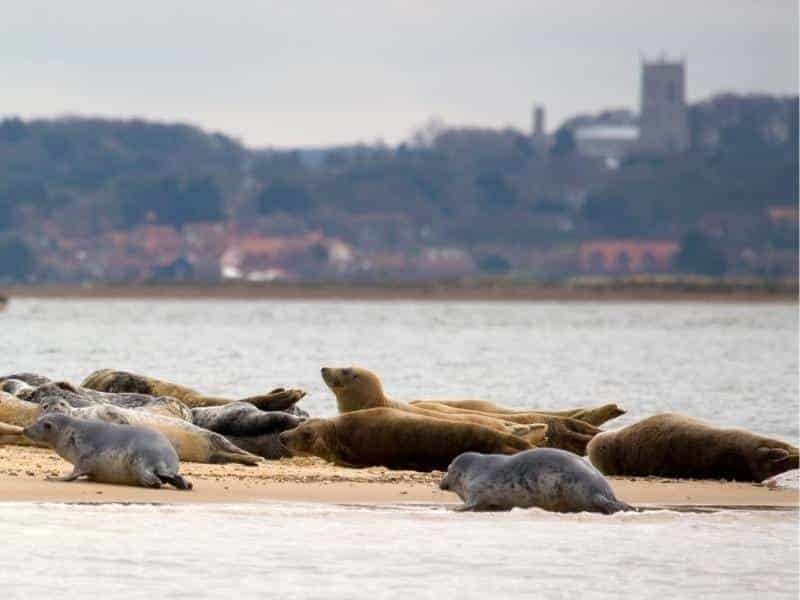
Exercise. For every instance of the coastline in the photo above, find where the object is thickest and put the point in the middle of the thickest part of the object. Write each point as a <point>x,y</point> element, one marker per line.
<point>23,471</point>
<point>629,290</point>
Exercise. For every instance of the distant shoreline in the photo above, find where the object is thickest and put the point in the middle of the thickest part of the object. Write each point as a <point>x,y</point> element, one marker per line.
<point>589,290</point>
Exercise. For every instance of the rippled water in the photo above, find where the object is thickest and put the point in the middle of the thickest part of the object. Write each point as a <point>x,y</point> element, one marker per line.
<point>729,363</point>
<point>314,551</point>
<point>734,364</point>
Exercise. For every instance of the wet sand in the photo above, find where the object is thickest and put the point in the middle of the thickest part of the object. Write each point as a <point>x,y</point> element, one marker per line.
<point>634,289</point>
<point>23,471</point>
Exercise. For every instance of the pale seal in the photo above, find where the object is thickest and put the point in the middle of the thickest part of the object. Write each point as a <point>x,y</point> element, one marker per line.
<point>109,453</point>
<point>546,478</point>
<point>192,443</point>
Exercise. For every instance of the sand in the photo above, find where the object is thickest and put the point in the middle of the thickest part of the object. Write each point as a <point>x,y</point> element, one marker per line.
<point>23,471</point>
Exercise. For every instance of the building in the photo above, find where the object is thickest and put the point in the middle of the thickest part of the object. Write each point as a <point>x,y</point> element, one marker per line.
<point>664,118</point>
<point>621,257</point>
<point>539,137</point>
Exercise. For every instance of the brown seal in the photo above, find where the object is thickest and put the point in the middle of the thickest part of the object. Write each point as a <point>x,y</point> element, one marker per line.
<point>15,411</point>
<point>672,445</point>
<point>397,439</point>
<point>358,389</point>
<point>596,415</point>
<point>10,434</point>
<point>108,380</point>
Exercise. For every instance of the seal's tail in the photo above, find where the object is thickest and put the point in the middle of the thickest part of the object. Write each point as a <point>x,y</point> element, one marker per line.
<point>609,507</point>
<point>277,399</point>
<point>535,434</point>
<point>226,451</point>
<point>176,480</point>
<point>599,415</point>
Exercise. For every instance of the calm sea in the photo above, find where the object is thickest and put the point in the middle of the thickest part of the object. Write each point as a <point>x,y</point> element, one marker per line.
<point>733,364</point>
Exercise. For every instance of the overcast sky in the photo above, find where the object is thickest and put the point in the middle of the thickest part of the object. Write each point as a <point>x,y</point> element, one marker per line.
<point>309,73</point>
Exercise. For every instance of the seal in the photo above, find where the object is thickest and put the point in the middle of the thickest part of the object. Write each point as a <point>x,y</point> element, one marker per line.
<point>244,425</point>
<point>15,386</point>
<point>108,380</point>
<point>593,415</point>
<point>358,389</point>
<point>32,379</point>
<point>15,411</point>
<point>544,478</point>
<point>673,445</point>
<point>79,397</point>
<point>110,453</point>
<point>10,434</point>
<point>248,427</point>
<point>192,443</point>
<point>397,439</point>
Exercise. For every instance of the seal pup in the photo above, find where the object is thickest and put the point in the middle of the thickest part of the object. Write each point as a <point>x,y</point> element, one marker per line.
<point>10,434</point>
<point>594,415</point>
<point>358,389</point>
<point>248,427</point>
<point>545,478</point>
<point>79,397</point>
<point>108,380</point>
<point>192,443</point>
<point>397,439</point>
<point>673,445</point>
<point>109,453</point>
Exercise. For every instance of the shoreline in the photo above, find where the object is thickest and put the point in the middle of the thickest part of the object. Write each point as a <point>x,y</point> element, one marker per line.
<point>611,291</point>
<point>23,471</point>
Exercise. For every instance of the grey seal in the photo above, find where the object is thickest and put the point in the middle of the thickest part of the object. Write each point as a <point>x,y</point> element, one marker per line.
<point>78,397</point>
<point>547,478</point>
<point>248,427</point>
<point>192,443</point>
<point>108,453</point>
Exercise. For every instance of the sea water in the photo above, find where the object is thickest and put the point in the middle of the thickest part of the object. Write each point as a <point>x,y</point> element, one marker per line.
<point>733,364</point>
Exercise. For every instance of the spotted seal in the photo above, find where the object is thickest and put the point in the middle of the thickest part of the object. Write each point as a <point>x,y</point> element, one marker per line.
<point>109,453</point>
<point>248,427</point>
<point>79,397</point>
<point>192,443</point>
<point>546,478</point>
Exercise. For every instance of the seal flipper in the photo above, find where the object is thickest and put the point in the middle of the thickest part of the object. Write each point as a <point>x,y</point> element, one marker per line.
<point>279,399</point>
<point>535,434</point>
<point>609,507</point>
<point>225,451</point>
<point>149,479</point>
<point>76,473</point>
<point>176,481</point>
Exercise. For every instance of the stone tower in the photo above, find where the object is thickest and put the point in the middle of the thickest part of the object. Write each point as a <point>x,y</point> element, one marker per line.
<point>664,119</point>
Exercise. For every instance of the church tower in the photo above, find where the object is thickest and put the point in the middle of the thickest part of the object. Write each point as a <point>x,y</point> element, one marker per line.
<point>664,119</point>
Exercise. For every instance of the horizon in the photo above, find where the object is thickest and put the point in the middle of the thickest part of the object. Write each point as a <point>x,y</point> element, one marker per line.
<point>464,65</point>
